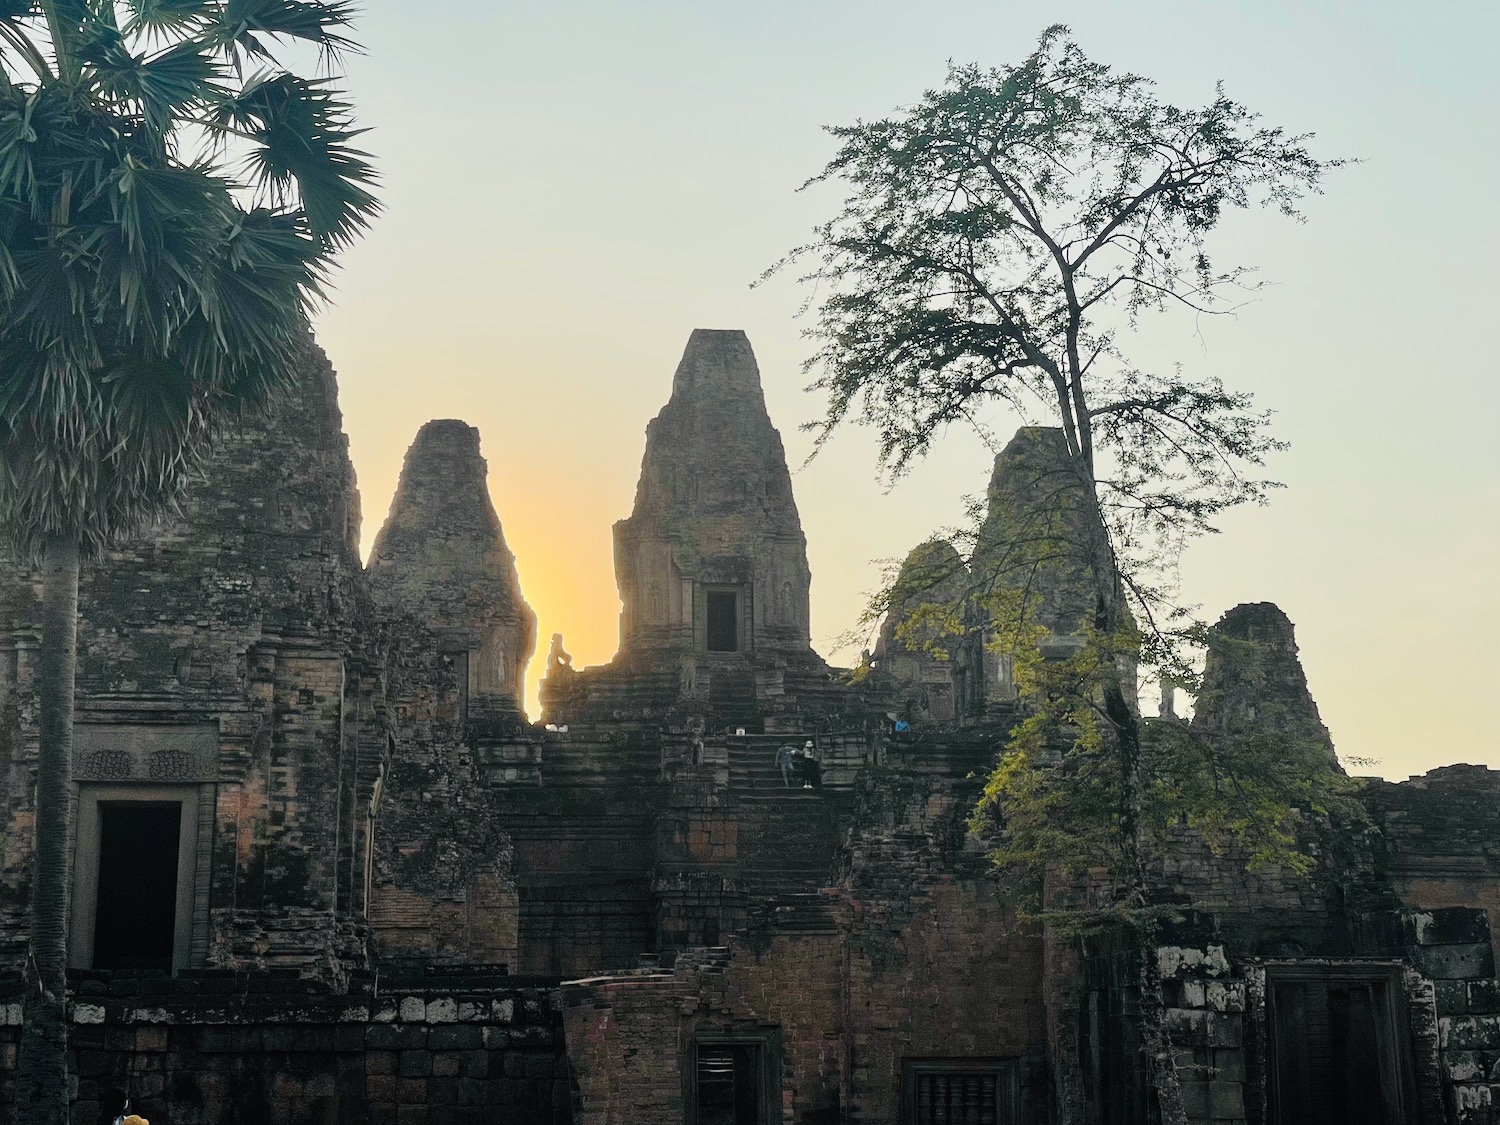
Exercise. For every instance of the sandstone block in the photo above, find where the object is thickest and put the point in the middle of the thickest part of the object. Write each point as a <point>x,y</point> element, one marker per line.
<point>1469,1033</point>
<point>1455,962</point>
<point>1451,925</point>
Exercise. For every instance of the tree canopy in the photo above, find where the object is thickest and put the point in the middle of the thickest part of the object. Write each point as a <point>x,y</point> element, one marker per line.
<point>998,242</point>
<point>171,197</point>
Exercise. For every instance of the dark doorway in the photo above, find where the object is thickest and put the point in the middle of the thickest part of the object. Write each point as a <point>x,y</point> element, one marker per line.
<point>723,621</point>
<point>135,917</point>
<point>1114,1083</point>
<point>729,1084</point>
<point>1336,1053</point>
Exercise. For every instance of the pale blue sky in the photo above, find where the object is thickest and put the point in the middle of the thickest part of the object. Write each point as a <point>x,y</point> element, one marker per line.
<point>572,187</point>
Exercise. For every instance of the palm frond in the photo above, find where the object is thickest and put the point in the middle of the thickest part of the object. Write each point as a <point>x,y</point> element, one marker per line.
<point>170,15</point>
<point>145,297</point>
<point>302,132</point>
<point>15,33</point>
<point>244,23</point>
<point>182,77</point>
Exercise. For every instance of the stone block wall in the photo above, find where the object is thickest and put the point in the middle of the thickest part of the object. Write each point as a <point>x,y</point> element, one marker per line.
<point>223,1048</point>
<point>1452,948</point>
<point>1205,1005</point>
<point>1216,1016</point>
<point>624,1017</point>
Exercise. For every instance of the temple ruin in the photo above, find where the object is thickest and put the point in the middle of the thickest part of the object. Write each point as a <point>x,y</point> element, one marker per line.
<point>327,869</point>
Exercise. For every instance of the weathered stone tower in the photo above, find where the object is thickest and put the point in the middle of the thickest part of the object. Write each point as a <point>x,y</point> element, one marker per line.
<point>713,559</point>
<point>711,565</point>
<point>1253,682</point>
<point>1036,529</point>
<point>441,557</point>
<point>215,753</point>
<point>927,662</point>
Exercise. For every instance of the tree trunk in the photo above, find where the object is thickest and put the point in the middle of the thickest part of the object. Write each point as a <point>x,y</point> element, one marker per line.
<point>1155,1041</point>
<point>42,1070</point>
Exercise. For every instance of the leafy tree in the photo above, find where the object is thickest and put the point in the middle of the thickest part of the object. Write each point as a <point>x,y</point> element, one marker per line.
<point>171,199</point>
<point>998,241</point>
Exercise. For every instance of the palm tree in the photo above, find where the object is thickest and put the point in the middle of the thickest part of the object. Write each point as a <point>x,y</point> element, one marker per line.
<point>171,199</point>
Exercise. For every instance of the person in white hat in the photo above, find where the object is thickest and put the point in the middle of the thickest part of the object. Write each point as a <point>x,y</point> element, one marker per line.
<point>814,772</point>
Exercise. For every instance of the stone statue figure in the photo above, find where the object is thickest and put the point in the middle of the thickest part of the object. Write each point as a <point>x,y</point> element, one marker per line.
<point>963,702</point>
<point>687,673</point>
<point>376,792</point>
<point>558,658</point>
<point>1005,676</point>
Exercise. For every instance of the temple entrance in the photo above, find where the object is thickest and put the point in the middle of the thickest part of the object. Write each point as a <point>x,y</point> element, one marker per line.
<point>136,912</point>
<point>723,621</point>
<point>729,1084</point>
<point>1338,1051</point>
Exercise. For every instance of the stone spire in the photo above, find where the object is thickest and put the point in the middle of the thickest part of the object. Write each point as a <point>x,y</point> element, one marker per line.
<point>928,663</point>
<point>932,574</point>
<point>713,557</point>
<point>441,557</point>
<point>1036,531</point>
<point>1253,680</point>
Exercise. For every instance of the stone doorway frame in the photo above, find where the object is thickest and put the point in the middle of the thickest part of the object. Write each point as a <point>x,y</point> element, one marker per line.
<point>192,900</point>
<point>767,1044</point>
<point>1400,1067</point>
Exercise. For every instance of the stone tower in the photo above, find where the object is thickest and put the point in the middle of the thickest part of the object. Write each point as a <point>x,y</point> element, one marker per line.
<point>713,559</point>
<point>1036,529</point>
<point>441,557</point>
<point>928,660</point>
<point>218,658</point>
<point>1038,535</point>
<point>1253,682</point>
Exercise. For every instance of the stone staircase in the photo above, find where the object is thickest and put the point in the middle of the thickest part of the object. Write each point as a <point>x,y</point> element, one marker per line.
<point>796,914</point>
<point>731,696</point>
<point>753,771</point>
<point>787,836</point>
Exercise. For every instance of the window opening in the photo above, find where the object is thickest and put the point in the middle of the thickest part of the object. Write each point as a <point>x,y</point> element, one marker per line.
<point>723,621</point>
<point>961,1092</point>
<point>135,916</point>
<point>729,1084</point>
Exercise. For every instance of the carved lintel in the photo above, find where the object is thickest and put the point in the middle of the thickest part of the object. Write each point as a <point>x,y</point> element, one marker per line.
<point>146,752</point>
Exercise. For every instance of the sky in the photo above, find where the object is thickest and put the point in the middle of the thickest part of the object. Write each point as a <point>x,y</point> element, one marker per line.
<point>571,187</point>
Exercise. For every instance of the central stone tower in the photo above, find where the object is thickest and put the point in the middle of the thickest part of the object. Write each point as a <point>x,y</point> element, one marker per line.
<point>712,571</point>
<point>712,559</point>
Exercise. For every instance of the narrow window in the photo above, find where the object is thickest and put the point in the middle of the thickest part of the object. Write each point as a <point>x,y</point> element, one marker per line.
<point>955,1091</point>
<point>136,911</point>
<point>729,1084</point>
<point>723,621</point>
